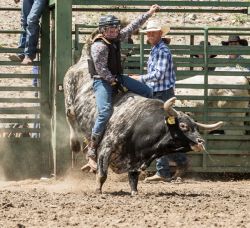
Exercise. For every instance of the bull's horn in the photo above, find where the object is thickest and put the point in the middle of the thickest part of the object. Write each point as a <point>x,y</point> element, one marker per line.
<point>209,127</point>
<point>168,107</point>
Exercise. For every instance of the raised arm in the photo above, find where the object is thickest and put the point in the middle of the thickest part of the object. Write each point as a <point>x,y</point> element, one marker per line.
<point>138,22</point>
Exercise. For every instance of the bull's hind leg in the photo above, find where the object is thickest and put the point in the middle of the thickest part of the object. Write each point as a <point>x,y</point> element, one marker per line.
<point>75,144</point>
<point>133,177</point>
<point>102,172</point>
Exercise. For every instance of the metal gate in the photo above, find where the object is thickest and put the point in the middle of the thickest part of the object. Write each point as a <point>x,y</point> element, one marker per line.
<point>24,112</point>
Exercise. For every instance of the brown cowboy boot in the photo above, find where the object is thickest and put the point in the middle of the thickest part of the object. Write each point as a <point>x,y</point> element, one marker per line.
<point>91,154</point>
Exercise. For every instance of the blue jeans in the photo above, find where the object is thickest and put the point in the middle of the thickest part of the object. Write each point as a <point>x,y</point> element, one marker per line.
<point>162,163</point>
<point>103,94</point>
<point>30,15</point>
<point>35,80</point>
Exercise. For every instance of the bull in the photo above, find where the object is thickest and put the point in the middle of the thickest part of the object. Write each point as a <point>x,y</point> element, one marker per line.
<point>139,130</point>
<point>225,92</point>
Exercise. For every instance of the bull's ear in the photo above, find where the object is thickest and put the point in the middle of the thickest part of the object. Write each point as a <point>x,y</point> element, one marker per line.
<point>168,107</point>
<point>210,127</point>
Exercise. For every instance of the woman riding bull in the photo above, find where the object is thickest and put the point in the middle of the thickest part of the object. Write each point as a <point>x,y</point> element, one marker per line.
<point>106,70</point>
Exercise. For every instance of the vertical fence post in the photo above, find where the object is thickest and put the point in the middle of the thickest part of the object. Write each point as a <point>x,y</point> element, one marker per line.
<point>205,113</point>
<point>63,60</point>
<point>45,106</point>
<point>191,43</point>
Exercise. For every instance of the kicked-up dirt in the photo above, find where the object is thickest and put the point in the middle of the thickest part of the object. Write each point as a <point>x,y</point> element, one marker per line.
<point>71,202</point>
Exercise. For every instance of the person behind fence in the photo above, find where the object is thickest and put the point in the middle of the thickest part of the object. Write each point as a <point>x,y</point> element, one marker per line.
<point>161,77</point>
<point>105,68</point>
<point>201,56</point>
<point>31,11</point>
<point>235,40</point>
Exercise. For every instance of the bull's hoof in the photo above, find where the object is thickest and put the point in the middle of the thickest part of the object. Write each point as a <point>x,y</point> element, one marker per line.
<point>98,191</point>
<point>75,146</point>
<point>177,180</point>
<point>134,193</point>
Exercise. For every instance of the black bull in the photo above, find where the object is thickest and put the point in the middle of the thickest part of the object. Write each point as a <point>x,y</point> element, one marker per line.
<point>138,131</point>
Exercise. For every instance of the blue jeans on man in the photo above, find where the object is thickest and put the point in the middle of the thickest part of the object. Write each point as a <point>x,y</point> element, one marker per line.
<point>30,15</point>
<point>104,92</point>
<point>162,163</point>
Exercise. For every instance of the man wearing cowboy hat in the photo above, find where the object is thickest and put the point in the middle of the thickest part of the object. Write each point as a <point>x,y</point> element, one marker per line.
<point>201,56</point>
<point>235,40</point>
<point>161,78</point>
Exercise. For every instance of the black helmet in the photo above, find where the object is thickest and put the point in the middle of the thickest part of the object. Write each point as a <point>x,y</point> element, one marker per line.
<point>108,20</point>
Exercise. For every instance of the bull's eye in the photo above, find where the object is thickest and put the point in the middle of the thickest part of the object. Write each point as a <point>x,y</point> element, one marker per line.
<point>184,127</point>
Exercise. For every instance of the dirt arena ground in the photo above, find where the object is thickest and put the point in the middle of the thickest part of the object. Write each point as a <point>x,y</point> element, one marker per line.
<point>71,202</point>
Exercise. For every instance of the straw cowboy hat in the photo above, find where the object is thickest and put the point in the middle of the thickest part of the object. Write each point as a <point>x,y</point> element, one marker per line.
<point>235,38</point>
<point>202,44</point>
<point>154,25</point>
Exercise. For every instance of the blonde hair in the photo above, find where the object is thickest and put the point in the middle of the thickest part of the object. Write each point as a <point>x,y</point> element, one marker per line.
<point>89,41</point>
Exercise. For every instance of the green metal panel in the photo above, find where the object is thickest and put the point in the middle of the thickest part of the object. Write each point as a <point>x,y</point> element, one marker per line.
<point>45,116</point>
<point>28,155</point>
<point>52,2</point>
<point>21,158</point>
<point>63,60</point>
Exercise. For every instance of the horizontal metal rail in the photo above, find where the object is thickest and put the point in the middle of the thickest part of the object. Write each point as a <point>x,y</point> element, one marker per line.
<point>19,130</point>
<point>213,86</point>
<point>163,3</point>
<point>221,169</point>
<point>223,118</point>
<point>19,100</point>
<point>10,9</point>
<point>14,50</point>
<point>12,63</point>
<point>228,137</point>
<point>19,120</point>
<point>20,110</point>
<point>10,31</point>
<point>180,73</point>
<point>214,98</point>
<point>15,75</point>
<point>18,88</point>
<point>240,152</point>
<point>163,10</point>
<point>211,110</point>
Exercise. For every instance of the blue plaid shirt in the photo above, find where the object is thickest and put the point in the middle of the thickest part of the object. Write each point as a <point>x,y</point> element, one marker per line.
<point>160,69</point>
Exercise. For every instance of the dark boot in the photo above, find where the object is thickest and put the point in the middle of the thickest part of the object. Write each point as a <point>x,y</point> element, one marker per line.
<point>91,154</point>
<point>17,58</point>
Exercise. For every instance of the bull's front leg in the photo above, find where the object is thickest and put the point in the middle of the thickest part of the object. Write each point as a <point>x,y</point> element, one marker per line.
<point>133,177</point>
